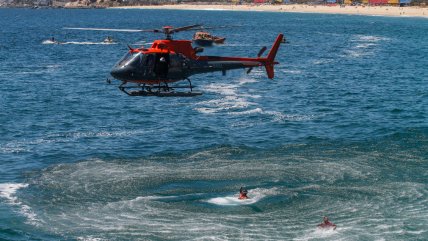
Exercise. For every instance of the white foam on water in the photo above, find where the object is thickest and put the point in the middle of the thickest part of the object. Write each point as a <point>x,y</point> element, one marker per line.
<point>249,112</point>
<point>141,198</point>
<point>90,238</point>
<point>259,73</point>
<point>254,195</point>
<point>319,233</point>
<point>365,45</point>
<point>8,191</point>
<point>322,61</point>
<point>289,71</point>
<point>230,101</point>
<point>242,106</point>
<point>279,116</point>
<point>223,89</point>
<point>370,38</point>
<point>155,215</point>
<point>206,110</point>
<point>119,133</point>
<point>234,103</point>
<point>276,115</point>
<point>21,146</point>
<point>12,148</point>
<point>232,201</point>
<point>356,53</point>
<point>243,81</point>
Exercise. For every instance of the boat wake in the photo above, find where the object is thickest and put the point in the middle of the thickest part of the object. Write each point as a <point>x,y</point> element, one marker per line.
<point>77,43</point>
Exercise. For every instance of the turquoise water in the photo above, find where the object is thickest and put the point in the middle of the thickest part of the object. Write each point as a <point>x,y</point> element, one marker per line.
<point>341,131</point>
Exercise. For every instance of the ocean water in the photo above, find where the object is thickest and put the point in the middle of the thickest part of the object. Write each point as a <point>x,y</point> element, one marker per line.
<point>342,131</point>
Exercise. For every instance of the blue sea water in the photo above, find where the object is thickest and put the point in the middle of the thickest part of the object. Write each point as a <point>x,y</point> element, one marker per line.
<point>342,131</point>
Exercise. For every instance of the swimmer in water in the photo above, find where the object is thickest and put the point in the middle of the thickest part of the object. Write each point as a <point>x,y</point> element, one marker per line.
<point>327,224</point>
<point>243,193</point>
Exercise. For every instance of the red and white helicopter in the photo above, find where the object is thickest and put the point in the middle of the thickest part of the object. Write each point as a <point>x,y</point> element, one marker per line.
<point>167,61</point>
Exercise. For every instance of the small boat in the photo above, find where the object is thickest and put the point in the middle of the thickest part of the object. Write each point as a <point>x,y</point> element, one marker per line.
<point>206,39</point>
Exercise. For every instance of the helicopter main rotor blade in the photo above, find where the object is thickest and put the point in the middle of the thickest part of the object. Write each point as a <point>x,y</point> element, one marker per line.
<point>108,29</point>
<point>118,30</point>
<point>185,28</point>
<point>222,26</point>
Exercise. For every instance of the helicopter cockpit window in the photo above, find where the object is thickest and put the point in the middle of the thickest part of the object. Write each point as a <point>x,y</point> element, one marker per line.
<point>129,58</point>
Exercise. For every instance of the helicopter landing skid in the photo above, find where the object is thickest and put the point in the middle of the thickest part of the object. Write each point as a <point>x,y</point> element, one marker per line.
<point>159,90</point>
<point>164,94</point>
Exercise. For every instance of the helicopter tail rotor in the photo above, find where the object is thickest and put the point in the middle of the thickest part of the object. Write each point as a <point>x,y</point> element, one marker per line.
<point>269,61</point>
<point>261,51</point>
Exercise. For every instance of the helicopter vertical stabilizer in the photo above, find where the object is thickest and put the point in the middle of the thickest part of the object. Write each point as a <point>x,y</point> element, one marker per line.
<point>270,59</point>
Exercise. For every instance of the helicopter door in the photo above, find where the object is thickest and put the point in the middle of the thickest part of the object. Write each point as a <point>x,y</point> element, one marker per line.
<point>162,65</point>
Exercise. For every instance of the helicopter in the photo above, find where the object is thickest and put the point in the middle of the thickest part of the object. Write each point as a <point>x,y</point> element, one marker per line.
<point>153,69</point>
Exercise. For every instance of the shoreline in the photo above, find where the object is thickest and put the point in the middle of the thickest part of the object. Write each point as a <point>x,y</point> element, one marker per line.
<point>392,11</point>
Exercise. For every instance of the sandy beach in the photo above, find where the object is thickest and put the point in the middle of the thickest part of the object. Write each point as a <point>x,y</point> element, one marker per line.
<point>300,8</point>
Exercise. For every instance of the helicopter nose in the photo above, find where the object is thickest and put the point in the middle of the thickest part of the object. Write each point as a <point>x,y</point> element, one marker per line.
<point>119,73</point>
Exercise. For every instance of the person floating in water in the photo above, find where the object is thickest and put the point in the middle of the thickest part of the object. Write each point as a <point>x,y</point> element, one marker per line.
<point>243,193</point>
<point>327,224</point>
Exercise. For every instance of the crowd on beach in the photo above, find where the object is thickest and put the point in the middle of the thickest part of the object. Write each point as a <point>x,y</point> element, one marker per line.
<point>322,6</point>
<point>244,5</point>
<point>302,8</point>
